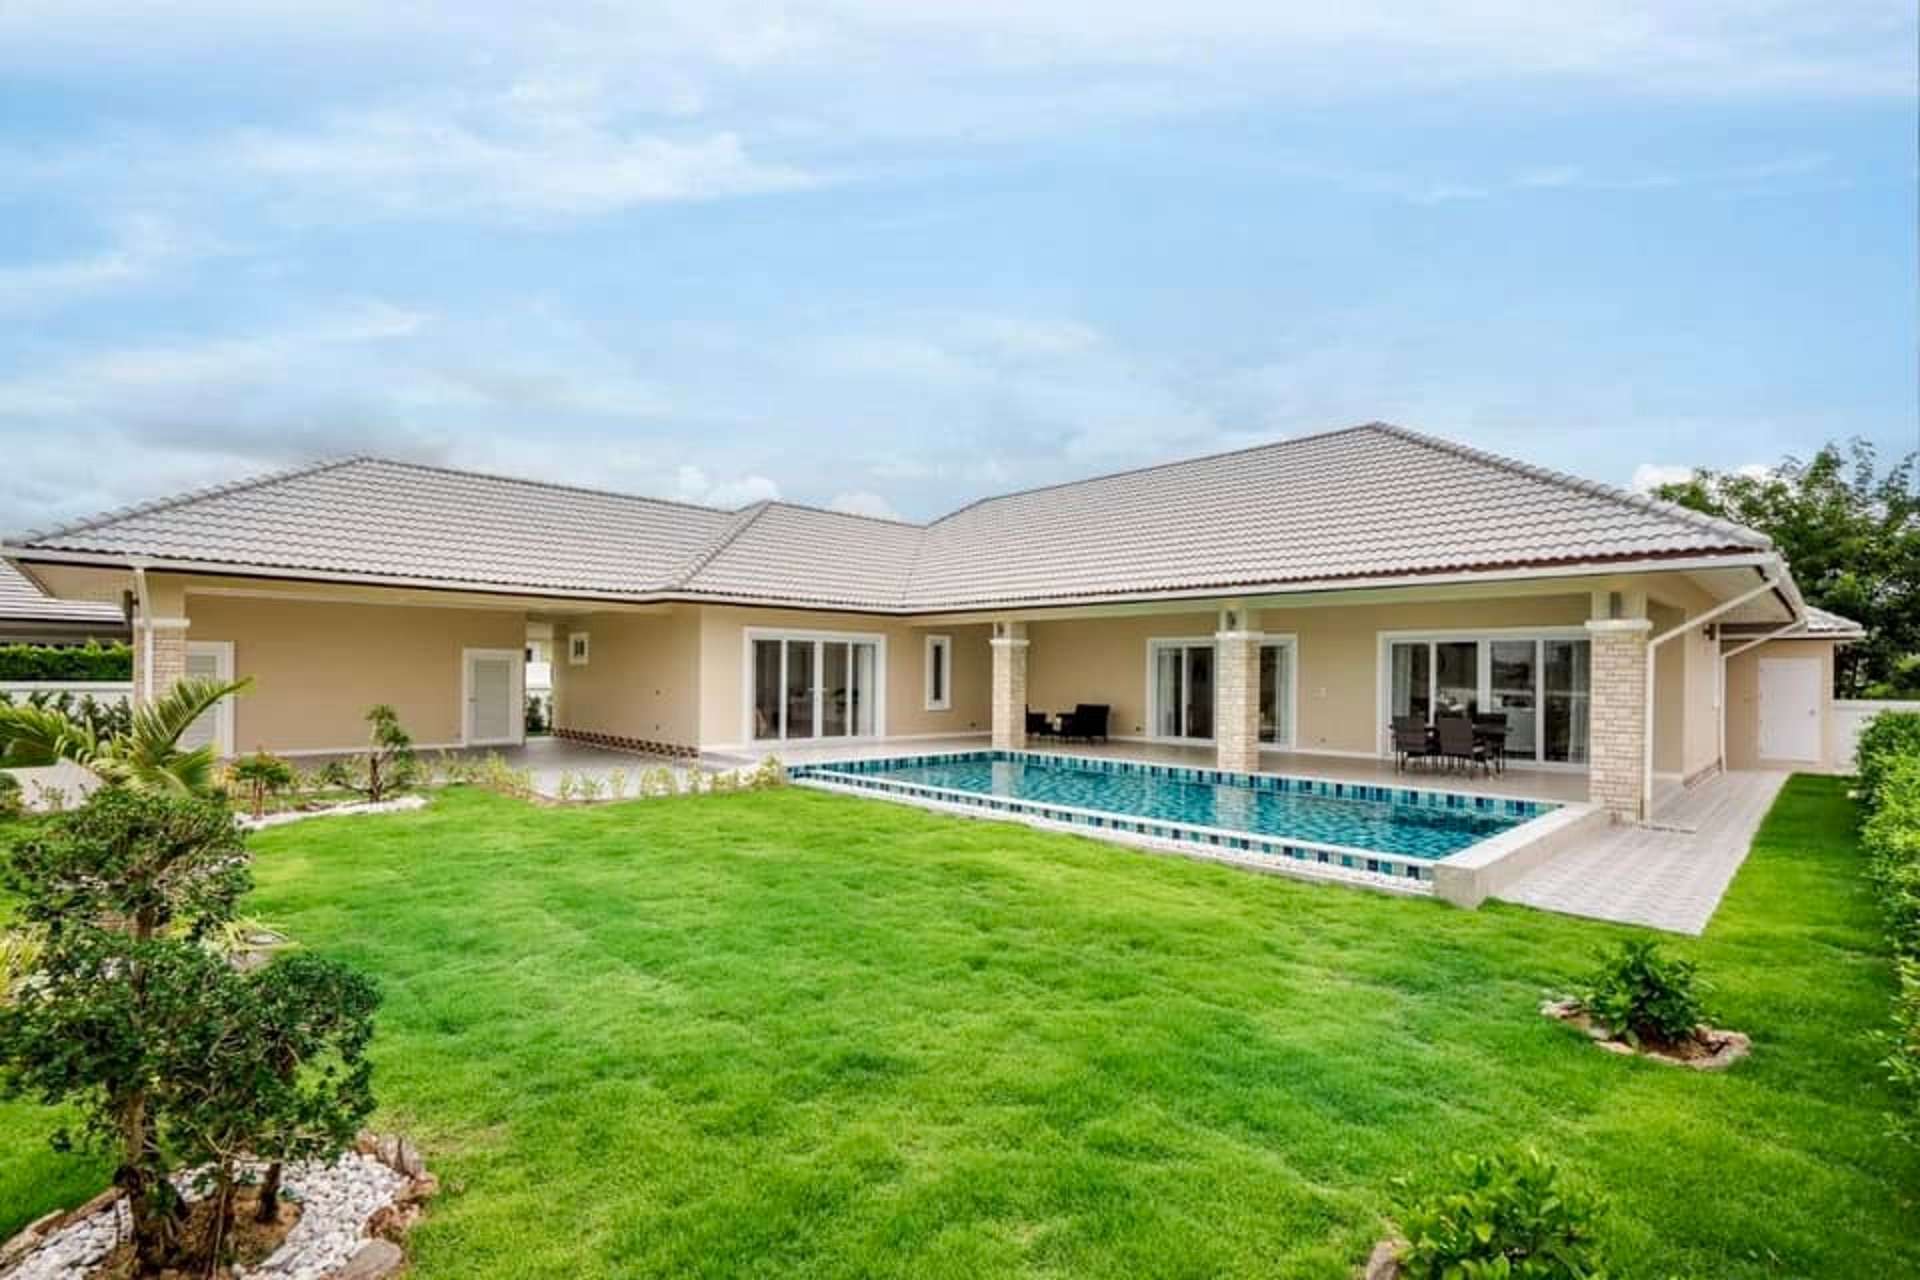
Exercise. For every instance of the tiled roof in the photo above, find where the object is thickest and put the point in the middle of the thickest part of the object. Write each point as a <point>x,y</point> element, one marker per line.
<point>370,518</point>
<point>1373,501</point>
<point>1367,502</point>
<point>1824,622</point>
<point>21,601</point>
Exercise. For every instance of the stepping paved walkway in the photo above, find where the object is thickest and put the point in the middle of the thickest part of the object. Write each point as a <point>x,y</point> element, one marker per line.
<point>1668,873</point>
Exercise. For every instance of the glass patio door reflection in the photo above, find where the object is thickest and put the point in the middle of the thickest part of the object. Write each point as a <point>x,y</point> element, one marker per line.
<point>1539,683</point>
<point>1183,691</point>
<point>811,688</point>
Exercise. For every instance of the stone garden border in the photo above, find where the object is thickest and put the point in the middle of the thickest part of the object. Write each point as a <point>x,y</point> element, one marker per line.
<point>352,1211</point>
<point>402,805</point>
<point>1724,1048</point>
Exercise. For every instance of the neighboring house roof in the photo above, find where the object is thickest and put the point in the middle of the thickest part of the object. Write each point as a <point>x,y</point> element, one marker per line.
<point>1366,502</point>
<point>1824,622</point>
<point>23,604</point>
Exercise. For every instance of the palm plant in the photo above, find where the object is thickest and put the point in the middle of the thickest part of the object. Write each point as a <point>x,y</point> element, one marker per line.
<point>147,756</point>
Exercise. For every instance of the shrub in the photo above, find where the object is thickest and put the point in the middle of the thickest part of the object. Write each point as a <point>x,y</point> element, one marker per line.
<point>86,663</point>
<point>1888,738</point>
<point>1891,838</point>
<point>110,718</point>
<point>536,721</point>
<point>12,803</point>
<point>262,774</point>
<point>1511,1216</point>
<point>388,767</point>
<point>1645,995</point>
<point>195,1065</point>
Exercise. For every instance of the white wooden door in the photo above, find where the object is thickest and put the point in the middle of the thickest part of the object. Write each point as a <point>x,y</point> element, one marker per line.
<point>211,660</point>
<point>493,688</point>
<point>1790,697</point>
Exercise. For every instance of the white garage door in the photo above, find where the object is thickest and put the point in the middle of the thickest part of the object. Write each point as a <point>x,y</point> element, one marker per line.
<point>1790,697</point>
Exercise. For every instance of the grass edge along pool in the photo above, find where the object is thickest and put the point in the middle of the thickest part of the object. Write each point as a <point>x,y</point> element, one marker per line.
<point>1497,816</point>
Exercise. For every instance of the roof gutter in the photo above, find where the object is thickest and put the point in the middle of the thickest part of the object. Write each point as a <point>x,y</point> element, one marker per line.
<point>1776,575</point>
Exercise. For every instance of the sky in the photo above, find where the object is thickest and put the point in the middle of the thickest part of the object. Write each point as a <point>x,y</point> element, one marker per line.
<point>893,255</point>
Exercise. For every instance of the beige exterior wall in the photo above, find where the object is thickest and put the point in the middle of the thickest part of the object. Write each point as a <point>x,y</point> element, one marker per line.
<point>641,680</point>
<point>1743,705</point>
<point>723,703</point>
<point>317,666</point>
<point>1336,648</point>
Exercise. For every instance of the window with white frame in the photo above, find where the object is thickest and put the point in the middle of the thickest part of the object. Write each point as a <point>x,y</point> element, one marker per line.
<point>805,685</point>
<point>1538,683</point>
<point>939,668</point>
<point>579,649</point>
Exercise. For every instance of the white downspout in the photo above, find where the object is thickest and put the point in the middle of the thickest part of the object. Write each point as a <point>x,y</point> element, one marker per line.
<point>146,633</point>
<point>1646,747</point>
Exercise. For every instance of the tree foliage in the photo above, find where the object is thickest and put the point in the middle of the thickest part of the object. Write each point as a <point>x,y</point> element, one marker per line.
<point>146,756</point>
<point>1851,532</point>
<point>130,1014</point>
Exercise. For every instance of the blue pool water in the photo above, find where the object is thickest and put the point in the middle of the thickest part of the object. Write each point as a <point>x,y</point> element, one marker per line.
<point>1389,820</point>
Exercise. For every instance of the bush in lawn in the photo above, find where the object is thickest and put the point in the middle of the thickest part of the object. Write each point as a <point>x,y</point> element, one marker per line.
<point>1891,837</point>
<point>130,1017</point>
<point>1644,995</point>
<point>262,774</point>
<point>12,803</point>
<point>86,663</point>
<point>389,766</point>
<point>1509,1216</point>
<point>1888,738</point>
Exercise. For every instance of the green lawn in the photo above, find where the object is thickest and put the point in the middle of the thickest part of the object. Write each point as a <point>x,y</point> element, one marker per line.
<point>795,1034</point>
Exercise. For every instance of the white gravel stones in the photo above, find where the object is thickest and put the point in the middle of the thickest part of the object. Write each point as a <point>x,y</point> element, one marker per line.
<point>75,1249</point>
<point>336,1198</point>
<point>402,805</point>
<point>335,1202</point>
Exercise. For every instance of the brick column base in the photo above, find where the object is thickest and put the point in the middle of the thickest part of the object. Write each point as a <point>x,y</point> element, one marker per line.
<point>1236,700</point>
<point>1617,727</point>
<point>1009,686</point>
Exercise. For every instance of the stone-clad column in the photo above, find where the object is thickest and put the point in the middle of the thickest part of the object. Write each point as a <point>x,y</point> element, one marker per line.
<point>1009,686</point>
<point>1617,726</point>
<point>159,643</point>
<point>1236,691</point>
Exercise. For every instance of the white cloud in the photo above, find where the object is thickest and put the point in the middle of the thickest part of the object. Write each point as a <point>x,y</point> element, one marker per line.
<point>861,502</point>
<point>691,484</point>
<point>140,246</point>
<point>509,155</point>
<point>1649,476</point>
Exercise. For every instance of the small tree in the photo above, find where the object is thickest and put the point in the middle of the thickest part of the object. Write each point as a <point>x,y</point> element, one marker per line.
<point>263,774</point>
<point>125,887</point>
<point>388,766</point>
<point>130,1014</point>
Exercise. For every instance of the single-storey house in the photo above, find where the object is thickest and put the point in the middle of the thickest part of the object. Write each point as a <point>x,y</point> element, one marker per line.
<point>1290,598</point>
<point>29,615</point>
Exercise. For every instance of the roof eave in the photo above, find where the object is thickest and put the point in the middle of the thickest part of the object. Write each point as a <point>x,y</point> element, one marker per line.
<point>1732,558</point>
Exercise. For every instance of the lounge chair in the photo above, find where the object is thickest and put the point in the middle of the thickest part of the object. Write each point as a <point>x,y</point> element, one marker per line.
<point>1085,723</point>
<point>1040,725</point>
<point>1410,741</point>
<point>1458,742</point>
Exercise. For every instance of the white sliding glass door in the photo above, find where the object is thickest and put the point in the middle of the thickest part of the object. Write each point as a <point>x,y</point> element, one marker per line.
<point>1540,683</point>
<point>1180,690</point>
<point>807,686</point>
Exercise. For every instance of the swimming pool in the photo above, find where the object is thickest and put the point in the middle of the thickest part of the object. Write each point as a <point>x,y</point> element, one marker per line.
<point>1376,831</point>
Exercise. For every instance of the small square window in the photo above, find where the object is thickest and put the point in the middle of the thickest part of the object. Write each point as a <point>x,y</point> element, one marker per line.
<point>939,673</point>
<point>578,648</point>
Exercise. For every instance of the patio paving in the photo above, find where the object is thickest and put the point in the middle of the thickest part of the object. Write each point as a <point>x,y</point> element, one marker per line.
<point>1668,873</point>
